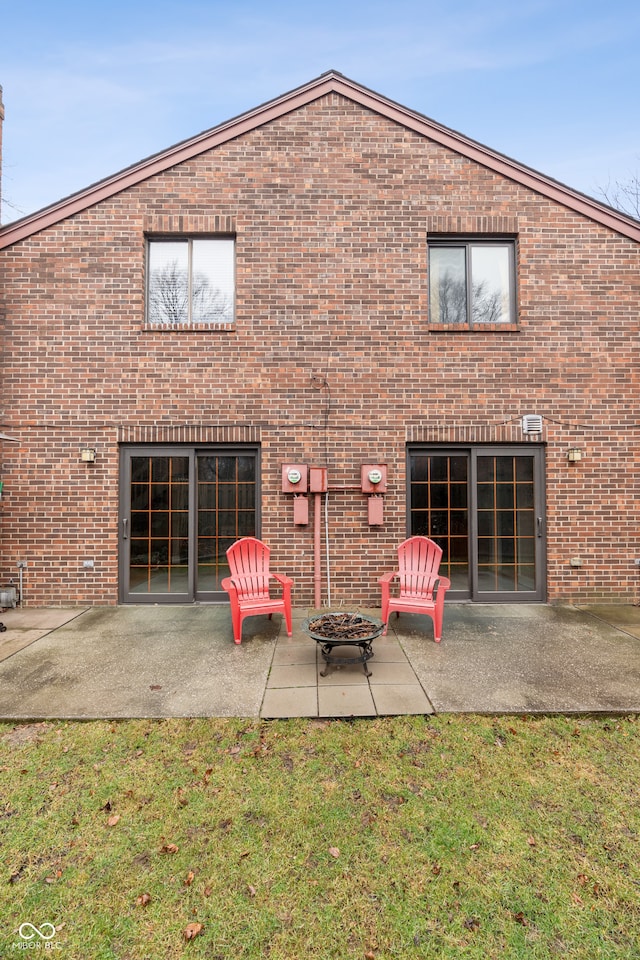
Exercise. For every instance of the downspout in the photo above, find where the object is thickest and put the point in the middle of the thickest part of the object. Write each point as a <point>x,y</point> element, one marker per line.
<point>317,559</point>
<point>326,537</point>
<point>317,542</point>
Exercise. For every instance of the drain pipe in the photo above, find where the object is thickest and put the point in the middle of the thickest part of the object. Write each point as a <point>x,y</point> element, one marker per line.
<point>326,546</point>
<point>21,566</point>
<point>317,540</point>
<point>317,559</point>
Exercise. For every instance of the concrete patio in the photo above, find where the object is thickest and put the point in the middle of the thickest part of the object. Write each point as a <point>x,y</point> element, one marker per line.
<point>180,661</point>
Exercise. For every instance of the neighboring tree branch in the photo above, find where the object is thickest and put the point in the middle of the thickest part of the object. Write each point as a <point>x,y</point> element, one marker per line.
<point>10,206</point>
<point>624,195</point>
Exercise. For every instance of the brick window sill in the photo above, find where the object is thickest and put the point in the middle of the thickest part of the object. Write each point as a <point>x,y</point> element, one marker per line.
<point>165,328</point>
<point>481,328</point>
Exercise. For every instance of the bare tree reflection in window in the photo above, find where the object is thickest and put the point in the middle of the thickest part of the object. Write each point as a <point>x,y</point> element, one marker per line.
<point>191,281</point>
<point>452,300</point>
<point>169,298</point>
<point>169,295</point>
<point>448,284</point>
<point>209,304</point>
<point>490,283</point>
<point>471,282</point>
<point>487,304</point>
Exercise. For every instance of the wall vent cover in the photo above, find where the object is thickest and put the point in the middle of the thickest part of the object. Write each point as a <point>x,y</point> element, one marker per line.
<point>532,423</point>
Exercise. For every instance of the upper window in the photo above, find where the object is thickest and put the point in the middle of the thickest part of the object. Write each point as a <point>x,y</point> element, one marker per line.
<point>471,282</point>
<point>190,281</point>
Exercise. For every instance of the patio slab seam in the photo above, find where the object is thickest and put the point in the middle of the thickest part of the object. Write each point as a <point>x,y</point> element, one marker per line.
<point>345,691</point>
<point>18,637</point>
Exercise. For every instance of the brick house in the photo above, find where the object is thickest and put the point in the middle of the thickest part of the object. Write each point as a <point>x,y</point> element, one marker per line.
<point>332,281</point>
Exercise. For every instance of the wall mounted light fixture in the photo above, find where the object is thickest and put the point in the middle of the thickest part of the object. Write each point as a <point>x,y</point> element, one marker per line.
<point>574,454</point>
<point>88,455</point>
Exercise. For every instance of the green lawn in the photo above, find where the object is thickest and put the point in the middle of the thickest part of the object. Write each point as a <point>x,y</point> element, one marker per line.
<point>447,837</point>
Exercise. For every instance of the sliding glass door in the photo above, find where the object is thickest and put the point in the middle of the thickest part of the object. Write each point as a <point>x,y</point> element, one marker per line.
<point>485,507</point>
<point>181,509</point>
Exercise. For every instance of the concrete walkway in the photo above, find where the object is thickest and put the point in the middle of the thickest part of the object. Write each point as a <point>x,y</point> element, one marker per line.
<point>180,661</point>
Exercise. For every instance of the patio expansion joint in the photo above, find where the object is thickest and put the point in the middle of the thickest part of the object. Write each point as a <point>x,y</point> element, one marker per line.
<point>289,691</point>
<point>408,659</point>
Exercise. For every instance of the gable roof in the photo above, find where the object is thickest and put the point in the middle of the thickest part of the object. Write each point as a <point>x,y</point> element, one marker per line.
<point>330,82</point>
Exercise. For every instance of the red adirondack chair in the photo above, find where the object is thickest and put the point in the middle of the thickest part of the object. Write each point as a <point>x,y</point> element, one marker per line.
<point>248,585</point>
<point>422,589</point>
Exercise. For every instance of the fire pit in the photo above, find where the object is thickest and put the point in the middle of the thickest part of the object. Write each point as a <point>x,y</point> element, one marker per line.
<point>332,630</point>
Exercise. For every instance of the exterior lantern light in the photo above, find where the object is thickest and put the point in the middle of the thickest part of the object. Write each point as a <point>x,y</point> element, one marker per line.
<point>88,455</point>
<point>574,454</point>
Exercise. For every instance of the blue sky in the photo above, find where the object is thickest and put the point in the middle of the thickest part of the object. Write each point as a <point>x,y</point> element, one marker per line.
<point>91,88</point>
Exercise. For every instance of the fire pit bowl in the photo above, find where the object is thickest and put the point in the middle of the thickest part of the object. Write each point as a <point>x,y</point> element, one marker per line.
<point>340,629</point>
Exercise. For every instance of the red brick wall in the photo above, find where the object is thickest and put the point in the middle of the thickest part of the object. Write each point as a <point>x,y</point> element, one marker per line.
<point>331,206</point>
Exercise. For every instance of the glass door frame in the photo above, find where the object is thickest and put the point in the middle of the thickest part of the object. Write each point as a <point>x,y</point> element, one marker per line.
<point>192,451</point>
<point>472,452</point>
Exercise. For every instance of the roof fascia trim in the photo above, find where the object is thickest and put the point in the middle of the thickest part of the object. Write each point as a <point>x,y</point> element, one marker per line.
<point>471,149</point>
<point>331,82</point>
<point>160,162</point>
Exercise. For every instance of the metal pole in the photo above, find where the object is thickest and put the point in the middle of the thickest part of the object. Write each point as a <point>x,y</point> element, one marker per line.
<point>317,558</point>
